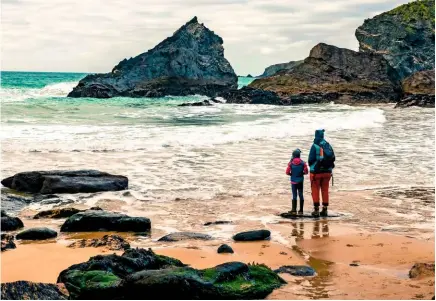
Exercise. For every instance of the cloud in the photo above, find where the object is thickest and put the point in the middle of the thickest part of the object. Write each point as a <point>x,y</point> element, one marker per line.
<point>93,36</point>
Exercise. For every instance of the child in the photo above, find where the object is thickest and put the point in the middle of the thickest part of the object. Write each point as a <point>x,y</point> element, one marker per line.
<point>297,168</point>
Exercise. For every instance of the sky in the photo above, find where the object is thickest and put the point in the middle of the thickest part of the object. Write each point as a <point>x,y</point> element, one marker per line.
<point>93,36</point>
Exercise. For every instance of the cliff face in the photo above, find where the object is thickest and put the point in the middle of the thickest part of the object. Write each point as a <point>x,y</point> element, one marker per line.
<point>419,90</point>
<point>404,36</point>
<point>335,74</point>
<point>189,62</point>
<point>273,69</point>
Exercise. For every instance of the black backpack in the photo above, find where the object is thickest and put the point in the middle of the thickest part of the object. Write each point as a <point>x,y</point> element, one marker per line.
<point>328,161</point>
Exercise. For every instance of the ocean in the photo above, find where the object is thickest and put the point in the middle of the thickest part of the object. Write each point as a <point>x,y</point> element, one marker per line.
<point>204,153</point>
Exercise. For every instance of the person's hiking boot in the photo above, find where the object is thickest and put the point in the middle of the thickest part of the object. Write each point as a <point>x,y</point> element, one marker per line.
<point>300,212</point>
<point>315,212</point>
<point>324,211</point>
<point>294,207</point>
<point>293,212</point>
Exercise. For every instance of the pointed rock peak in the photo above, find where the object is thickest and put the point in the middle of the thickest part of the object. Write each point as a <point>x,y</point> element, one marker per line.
<point>193,21</point>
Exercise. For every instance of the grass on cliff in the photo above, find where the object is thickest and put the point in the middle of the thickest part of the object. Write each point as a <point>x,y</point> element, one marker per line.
<point>416,10</point>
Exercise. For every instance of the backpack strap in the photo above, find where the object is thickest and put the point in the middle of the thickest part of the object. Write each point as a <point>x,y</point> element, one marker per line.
<point>319,156</point>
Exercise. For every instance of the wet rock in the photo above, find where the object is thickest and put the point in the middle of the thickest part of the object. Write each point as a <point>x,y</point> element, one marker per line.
<point>78,181</point>
<point>178,236</point>
<point>252,235</point>
<point>354,264</point>
<point>296,270</point>
<point>100,220</point>
<point>335,74</point>
<point>404,36</point>
<point>12,202</point>
<point>420,270</point>
<point>419,90</point>
<point>189,62</point>
<point>10,223</point>
<point>217,223</point>
<point>111,242</point>
<point>225,249</point>
<point>249,95</point>
<point>196,104</point>
<point>26,290</point>
<point>416,100</point>
<point>99,277</point>
<point>39,233</point>
<point>56,213</point>
<point>7,242</point>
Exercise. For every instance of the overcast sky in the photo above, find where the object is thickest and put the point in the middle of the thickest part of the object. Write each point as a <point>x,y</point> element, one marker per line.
<point>93,36</point>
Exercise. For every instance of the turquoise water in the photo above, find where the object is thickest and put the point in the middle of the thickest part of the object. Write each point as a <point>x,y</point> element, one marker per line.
<point>171,152</point>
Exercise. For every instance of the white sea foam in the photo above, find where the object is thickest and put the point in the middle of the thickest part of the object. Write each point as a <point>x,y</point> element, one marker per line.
<point>51,90</point>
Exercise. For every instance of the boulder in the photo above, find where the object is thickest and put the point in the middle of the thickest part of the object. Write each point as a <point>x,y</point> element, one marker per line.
<point>39,233</point>
<point>420,270</point>
<point>10,223</point>
<point>225,249</point>
<point>296,270</point>
<point>404,36</point>
<point>56,213</point>
<point>56,181</point>
<point>100,220</point>
<point>273,69</point>
<point>335,74</point>
<point>100,276</point>
<point>7,242</point>
<point>252,235</point>
<point>26,290</point>
<point>248,95</point>
<point>189,62</point>
<point>419,90</point>
<point>416,100</point>
<point>178,236</point>
<point>111,242</point>
<point>203,103</point>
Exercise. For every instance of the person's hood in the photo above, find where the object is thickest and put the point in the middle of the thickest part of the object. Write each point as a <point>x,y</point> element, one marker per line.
<point>319,136</point>
<point>296,161</point>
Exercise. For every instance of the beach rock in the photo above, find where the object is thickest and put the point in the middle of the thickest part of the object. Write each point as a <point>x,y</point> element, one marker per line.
<point>252,235</point>
<point>189,62</point>
<point>419,90</point>
<point>100,220</point>
<point>404,36</point>
<point>196,104</point>
<point>26,290</point>
<point>178,236</point>
<point>10,223</point>
<point>7,242</point>
<point>57,181</point>
<point>335,74</point>
<point>217,223</point>
<point>249,95</point>
<point>232,280</point>
<point>273,69</point>
<point>296,270</point>
<point>420,270</point>
<point>225,249</point>
<point>39,233</point>
<point>56,213</point>
<point>12,202</point>
<point>111,242</point>
<point>100,276</point>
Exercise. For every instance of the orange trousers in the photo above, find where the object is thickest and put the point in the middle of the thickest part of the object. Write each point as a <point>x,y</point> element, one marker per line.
<point>320,181</point>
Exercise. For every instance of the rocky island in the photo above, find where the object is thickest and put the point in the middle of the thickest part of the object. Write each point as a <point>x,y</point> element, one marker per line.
<point>189,62</point>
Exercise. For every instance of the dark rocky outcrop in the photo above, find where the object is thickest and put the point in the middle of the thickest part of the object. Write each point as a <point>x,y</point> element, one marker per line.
<point>421,270</point>
<point>296,270</point>
<point>273,69</point>
<point>335,74</point>
<point>248,95</point>
<point>419,90</point>
<point>189,62</point>
<point>40,233</point>
<point>100,220</point>
<point>225,249</point>
<point>26,290</point>
<point>58,181</point>
<point>10,223</point>
<point>141,274</point>
<point>203,103</point>
<point>111,242</point>
<point>404,36</point>
<point>7,242</point>
<point>178,236</point>
<point>56,213</point>
<point>252,235</point>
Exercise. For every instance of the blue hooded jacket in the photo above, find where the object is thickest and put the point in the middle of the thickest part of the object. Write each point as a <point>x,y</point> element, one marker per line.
<point>315,152</point>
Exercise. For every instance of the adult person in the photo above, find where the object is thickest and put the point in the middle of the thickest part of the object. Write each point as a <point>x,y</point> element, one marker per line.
<point>321,162</point>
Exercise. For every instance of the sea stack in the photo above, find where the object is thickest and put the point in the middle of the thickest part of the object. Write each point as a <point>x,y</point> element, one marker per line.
<point>191,61</point>
<point>405,36</point>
